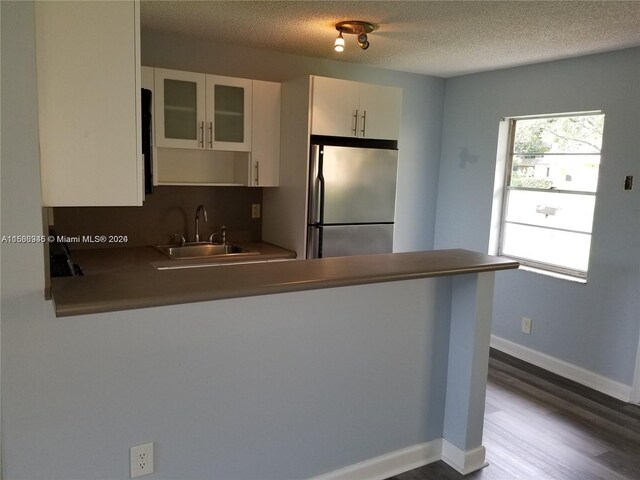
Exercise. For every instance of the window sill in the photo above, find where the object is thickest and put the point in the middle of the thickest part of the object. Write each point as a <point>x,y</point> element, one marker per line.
<point>557,275</point>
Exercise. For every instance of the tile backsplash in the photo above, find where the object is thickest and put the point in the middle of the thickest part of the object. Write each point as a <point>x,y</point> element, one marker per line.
<point>166,211</point>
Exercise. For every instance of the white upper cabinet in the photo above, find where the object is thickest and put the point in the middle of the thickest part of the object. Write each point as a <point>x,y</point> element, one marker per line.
<point>179,109</point>
<point>335,107</point>
<point>88,70</point>
<point>199,111</point>
<point>215,130</point>
<point>380,108</point>
<point>228,121</point>
<point>345,108</point>
<point>265,155</point>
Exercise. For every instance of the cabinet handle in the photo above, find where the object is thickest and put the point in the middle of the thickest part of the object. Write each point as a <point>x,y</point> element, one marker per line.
<point>257,172</point>
<point>201,134</point>
<point>210,134</point>
<point>364,123</point>
<point>355,124</point>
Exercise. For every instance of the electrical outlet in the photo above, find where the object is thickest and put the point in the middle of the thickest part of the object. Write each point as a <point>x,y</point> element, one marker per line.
<point>255,210</point>
<point>526,325</point>
<point>141,460</point>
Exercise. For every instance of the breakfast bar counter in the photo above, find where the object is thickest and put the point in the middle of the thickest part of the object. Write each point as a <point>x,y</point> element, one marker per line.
<point>144,286</point>
<point>378,361</point>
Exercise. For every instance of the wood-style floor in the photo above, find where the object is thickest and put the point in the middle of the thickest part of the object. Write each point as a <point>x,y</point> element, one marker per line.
<point>540,426</point>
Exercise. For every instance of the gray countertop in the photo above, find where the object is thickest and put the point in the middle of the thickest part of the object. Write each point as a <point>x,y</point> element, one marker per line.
<point>145,286</point>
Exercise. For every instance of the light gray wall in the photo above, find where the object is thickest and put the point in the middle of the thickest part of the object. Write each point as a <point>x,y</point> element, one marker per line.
<point>274,387</point>
<point>262,388</point>
<point>594,326</point>
<point>77,392</point>
<point>21,265</point>
<point>20,167</point>
<point>421,113</point>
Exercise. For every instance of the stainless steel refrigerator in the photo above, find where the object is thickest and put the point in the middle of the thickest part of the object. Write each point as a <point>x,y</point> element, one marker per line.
<point>352,197</point>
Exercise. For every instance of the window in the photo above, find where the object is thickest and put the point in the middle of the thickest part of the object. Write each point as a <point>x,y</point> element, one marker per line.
<point>550,191</point>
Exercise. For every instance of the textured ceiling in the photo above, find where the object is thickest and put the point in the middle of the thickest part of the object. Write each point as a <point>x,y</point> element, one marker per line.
<point>443,38</point>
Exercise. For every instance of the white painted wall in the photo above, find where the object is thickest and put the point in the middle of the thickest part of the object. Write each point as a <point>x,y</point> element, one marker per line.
<point>593,326</point>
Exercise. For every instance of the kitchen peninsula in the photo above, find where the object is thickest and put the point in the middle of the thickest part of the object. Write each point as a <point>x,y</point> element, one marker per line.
<point>381,358</point>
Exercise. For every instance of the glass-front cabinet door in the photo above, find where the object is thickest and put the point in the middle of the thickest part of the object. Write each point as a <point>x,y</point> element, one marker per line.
<point>228,122</point>
<point>180,109</point>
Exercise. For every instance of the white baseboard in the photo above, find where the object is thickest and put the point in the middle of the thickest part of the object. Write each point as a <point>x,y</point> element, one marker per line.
<point>635,391</point>
<point>463,461</point>
<point>564,369</point>
<point>389,464</point>
<point>415,456</point>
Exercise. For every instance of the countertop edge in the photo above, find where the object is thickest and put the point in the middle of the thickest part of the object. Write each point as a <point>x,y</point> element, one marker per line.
<point>72,298</point>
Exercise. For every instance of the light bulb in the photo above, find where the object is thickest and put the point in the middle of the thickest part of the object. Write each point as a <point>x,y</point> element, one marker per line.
<point>339,45</point>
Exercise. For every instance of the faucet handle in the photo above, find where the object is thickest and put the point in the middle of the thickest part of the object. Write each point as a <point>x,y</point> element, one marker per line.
<point>182,240</point>
<point>212,236</point>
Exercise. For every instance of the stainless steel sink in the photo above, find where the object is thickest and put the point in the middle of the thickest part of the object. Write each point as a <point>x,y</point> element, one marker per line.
<point>200,250</point>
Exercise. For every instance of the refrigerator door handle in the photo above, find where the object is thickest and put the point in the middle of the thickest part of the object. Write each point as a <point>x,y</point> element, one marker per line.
<point>316,199</point>
<point>314,242</point>
<point>321,198</point>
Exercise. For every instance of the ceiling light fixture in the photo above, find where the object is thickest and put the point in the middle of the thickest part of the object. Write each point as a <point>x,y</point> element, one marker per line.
<point>339,45</point>
<point>354,27</point>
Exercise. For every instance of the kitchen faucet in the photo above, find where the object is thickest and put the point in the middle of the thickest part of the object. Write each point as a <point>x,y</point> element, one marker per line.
<point>222,234</point>
<point>204,211</point>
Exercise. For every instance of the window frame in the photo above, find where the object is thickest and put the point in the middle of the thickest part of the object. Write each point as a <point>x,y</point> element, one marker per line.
<point>537,265</point>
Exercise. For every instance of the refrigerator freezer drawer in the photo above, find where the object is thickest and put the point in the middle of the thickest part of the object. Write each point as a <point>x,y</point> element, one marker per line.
<point>345,240</point>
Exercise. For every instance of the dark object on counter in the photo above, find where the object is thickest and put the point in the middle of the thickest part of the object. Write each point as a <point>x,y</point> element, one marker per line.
<point>60,262</point>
